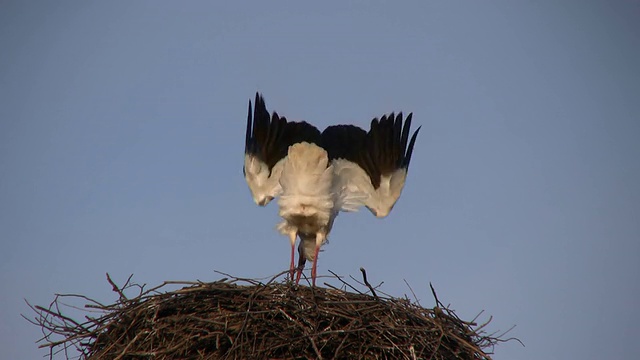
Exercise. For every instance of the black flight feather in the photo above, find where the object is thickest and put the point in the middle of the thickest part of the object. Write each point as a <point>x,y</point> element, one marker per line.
<point>385,149</point>
<point>268,137</point>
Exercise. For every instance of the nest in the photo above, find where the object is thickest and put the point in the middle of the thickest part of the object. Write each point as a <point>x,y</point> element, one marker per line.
<point>247,319</point>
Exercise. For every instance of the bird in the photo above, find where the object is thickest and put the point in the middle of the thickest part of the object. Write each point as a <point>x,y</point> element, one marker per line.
<point>316,175</point>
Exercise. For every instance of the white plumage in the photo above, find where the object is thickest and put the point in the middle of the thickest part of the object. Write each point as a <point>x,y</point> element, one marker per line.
<point>306,183</point>
<point>264,183</point>
<point>317,175</point>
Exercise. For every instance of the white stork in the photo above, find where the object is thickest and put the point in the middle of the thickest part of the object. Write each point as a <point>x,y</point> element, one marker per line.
<point>317,175</point>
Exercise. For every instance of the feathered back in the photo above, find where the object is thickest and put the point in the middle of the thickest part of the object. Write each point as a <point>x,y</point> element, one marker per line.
<point>306,179</point>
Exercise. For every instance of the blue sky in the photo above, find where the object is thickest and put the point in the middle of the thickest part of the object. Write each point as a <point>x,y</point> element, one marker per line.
<point>122,138</point>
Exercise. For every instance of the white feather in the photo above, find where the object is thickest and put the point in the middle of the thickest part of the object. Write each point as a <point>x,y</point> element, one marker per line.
<point>386,196</point>
<point>353,189</point>
<point>351,186</point>
<point>264,186</point>
<point>306,202</point>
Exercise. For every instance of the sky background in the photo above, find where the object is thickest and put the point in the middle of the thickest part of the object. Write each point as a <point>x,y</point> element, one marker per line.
<point>122,138</point>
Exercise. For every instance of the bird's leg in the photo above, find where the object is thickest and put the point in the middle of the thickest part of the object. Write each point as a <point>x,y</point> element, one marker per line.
<point>292,238</point>
<point>320,236</point>
<point>301,261</point>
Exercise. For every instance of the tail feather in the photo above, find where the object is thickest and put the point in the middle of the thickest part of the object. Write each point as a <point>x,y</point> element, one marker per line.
<point>306,172</point>
<point>306,183</point>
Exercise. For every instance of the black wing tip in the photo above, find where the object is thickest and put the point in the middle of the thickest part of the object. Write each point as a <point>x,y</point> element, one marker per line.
<point>406,151</point>
<point>269,134</point>
<point>257,121</point>
<point>390,144</point>
<point>407,157</point>
<point>248,136</point>
<point>260,108</point>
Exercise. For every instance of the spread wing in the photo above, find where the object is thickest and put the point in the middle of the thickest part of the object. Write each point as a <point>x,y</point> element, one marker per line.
<point>267,141</point>
<point>370,167</point>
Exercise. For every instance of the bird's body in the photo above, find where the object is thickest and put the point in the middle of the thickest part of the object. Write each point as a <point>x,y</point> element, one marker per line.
<point>317,175</point>
<point>307,202</point>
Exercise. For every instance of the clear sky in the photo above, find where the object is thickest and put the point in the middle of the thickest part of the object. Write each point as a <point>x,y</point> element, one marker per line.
<point>122,137</point>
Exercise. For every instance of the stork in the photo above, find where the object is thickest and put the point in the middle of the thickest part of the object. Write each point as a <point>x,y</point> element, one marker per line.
<point>315,175</point>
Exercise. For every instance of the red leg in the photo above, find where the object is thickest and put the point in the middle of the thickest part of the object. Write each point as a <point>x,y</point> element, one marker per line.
<point>301,261</point>
<point>315,264</point>
<point>292,238</point>
<point>292,266</point>
<point>298,276</point>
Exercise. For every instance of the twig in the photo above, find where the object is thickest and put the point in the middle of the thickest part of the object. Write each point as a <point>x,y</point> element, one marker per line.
<point>412,292</point>
<point>115,288</point>
<point>364,278</point>
<point>345,283</point>
<point>435,296</point>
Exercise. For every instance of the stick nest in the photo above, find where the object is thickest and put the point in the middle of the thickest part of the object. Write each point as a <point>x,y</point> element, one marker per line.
<point>247,319</point>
